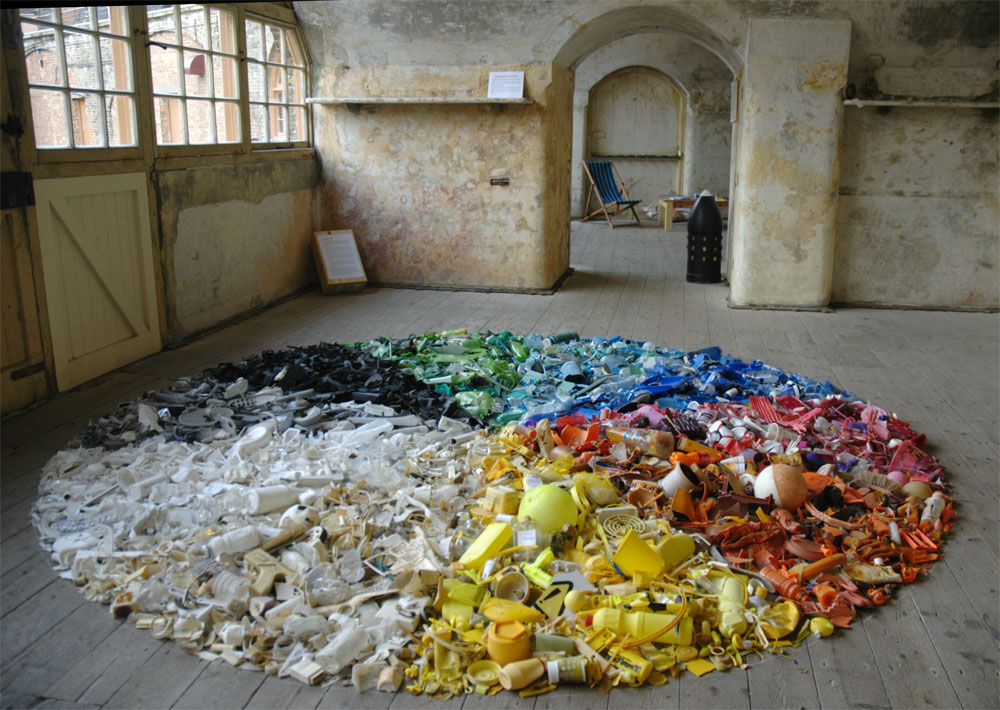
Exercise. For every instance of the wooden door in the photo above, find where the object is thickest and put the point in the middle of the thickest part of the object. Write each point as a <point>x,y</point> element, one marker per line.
<point>636,118</point>
<point>97,263</point>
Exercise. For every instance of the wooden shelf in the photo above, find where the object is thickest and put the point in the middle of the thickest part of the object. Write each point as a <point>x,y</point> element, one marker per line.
<point>373,100</point>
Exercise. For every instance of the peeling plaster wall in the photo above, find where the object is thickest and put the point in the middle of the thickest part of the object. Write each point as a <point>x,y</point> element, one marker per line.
<point>918,215</point>
<point>929,48</point>
<point>918,210</point>
<point>708,143</point>
<point>788,157</point>
<point>496,32</point>
<point>413,180</point>
<point>235,238</point>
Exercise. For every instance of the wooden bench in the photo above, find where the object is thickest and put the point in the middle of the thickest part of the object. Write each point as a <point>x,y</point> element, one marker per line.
<point>667,205</point>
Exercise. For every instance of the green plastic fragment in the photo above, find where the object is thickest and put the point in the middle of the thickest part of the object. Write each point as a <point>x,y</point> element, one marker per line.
<point>477,403</point>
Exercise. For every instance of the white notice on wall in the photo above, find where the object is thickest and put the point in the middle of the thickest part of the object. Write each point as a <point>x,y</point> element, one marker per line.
<point>339,252</point>
<point>506,85</point>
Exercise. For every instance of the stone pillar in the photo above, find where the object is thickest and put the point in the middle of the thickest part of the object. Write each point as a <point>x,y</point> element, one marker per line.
<point>787,164</point>
<point>578,183</point>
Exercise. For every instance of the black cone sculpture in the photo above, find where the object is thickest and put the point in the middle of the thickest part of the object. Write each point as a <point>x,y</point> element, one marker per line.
<point>704,248</point>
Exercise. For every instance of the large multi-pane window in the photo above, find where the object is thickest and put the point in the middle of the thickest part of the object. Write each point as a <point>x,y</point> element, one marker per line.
<point>80,76</point>
<point>193,60</point>
<point>277,81</point>
<point>216,76</point>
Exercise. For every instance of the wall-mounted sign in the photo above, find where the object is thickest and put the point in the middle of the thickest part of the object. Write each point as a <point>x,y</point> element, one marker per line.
<point>506,85</point>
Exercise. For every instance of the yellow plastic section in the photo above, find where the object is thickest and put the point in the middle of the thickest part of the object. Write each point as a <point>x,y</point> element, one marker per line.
<point>507,642</point>
<point>550,507</point>
<point>635,555</point>
<point>633,665</point>
<point>700,666</point>
<point>732,606</point>
<point>821,625</point>
<point>489,543</point>
<point>503,609</point>
<point>675,549</point>
<point>640,624</point>
<point>780,619</point>
<point>464,592</point>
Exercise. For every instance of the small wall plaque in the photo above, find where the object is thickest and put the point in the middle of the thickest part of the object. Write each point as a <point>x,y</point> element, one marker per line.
<point>338,261</point>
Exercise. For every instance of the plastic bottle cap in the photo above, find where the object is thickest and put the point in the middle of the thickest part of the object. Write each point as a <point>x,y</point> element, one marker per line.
<point>485,672</point>
<point>686,653</point>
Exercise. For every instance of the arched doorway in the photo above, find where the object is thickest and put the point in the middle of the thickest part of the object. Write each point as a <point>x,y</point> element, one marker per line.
<point>635,117</point>
<point>702,67</point>
<point>686,50</point>
<point>699,74</point>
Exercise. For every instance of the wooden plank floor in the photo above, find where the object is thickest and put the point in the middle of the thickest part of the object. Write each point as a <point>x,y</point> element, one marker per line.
<point>936,645</point>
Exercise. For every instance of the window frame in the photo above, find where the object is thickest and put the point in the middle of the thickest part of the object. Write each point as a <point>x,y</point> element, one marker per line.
<point>144,98</point>
<point>76,153</point>
<point>294,30</point>
<point>183,97</point>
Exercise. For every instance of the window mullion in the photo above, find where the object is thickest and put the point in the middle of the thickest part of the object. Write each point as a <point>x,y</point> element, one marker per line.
<point>142,82</point>
<point>210,68</point>
<point>64,77</point>
<point>243,79</point>
<point>102,118</point>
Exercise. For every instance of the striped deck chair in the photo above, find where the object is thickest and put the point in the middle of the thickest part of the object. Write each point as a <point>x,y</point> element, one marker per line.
<point>604,181</point>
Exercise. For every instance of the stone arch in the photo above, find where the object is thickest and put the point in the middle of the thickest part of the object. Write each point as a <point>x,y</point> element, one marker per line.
<point>622,22</point>
<point>633,110</point>
<point>703,78</point>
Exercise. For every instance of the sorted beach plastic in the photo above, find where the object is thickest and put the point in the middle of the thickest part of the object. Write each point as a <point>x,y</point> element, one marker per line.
<point>632,514</point>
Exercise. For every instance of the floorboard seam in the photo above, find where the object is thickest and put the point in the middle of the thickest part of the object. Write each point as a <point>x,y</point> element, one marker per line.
<point>930,635</point>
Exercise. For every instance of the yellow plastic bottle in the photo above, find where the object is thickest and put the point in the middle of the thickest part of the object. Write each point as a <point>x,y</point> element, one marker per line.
<point>732,606</point>
<point>640,624</point>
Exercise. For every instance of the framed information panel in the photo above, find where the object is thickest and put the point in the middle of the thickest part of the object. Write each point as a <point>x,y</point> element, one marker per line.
<point>338,261</point>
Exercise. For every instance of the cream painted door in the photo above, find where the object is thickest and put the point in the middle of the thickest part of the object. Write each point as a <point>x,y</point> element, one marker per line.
<point>97,262</point>
<point>636,118</point>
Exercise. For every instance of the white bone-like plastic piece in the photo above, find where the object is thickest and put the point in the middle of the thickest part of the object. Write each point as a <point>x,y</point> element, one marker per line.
<point>256,437</point>
<point>364,676</point>
<point>232,633</point>
<point>185,474</point>
<point>307,671</point>
<point>277,613</point>
<point>140,490</point>
<point>299,626</point>
<point>147,417</point>
<point>389,679</point>
<point>299,515</point>
<point>271,498</point>
<point>65,548</point>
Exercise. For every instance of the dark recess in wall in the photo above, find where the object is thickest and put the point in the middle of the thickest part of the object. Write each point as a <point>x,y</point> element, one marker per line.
<point>967,22</point>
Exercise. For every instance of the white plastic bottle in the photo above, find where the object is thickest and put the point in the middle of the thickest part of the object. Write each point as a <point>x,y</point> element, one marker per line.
<point>239,540</point>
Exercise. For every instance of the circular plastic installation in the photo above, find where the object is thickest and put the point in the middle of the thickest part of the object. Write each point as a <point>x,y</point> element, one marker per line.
<point>354,511</point>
